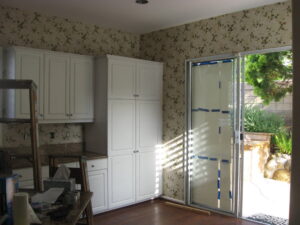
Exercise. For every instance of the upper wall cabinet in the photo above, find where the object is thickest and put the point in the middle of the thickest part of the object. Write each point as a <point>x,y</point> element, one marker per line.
<point>65,85</point>
<point>121,79</point>
<point>57,85</point>
<point>149,81</point>
<point>81,87</point>
<point>134,79</point>
<point>24,64</point>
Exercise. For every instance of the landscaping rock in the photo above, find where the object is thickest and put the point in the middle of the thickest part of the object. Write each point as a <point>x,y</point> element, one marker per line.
<point>287,164</point>
<point>282,175</point>
<point>275,162</point>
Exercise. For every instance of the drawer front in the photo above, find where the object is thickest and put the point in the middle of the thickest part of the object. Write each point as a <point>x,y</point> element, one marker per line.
<point>96,164</point>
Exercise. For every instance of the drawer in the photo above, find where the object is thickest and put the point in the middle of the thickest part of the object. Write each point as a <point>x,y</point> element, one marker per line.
<point>96,164</point>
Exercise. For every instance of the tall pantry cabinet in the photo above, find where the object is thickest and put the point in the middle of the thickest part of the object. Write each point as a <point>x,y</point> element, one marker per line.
<point>128,127</point>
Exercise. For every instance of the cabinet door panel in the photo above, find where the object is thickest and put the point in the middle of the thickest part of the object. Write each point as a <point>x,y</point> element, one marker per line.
<point>29,66</point>
<point>121,180</point>
<point>81,88</point>
<point>149,81</point>
<point>98,185</point>
<point>57,86</point>
<point>148,175</point>
<point>149,125</point>
<point>121,127</point>
<point>121,79</point>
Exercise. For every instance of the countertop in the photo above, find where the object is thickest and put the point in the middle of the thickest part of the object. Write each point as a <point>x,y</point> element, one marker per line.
<point>22,155</point>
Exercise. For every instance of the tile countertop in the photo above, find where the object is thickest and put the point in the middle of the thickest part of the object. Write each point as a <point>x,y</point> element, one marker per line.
<point>74,149</point>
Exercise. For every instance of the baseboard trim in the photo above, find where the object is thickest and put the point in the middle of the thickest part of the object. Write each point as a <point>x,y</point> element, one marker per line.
<point>172,199</point>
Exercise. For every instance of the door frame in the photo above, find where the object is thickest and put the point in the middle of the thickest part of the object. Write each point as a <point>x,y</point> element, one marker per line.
<point>236,147</point>
<point>239,125</point>
<point>242,56</point>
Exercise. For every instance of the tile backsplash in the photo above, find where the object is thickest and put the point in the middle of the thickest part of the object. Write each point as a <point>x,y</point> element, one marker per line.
<point>17,135</point>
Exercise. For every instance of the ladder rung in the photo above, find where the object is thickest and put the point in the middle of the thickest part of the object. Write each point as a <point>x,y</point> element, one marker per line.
<point>17,84</point>
<point>8,120</point>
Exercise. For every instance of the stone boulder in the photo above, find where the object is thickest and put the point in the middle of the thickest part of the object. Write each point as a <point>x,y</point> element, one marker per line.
<point>276,162</point>
<point>288,164</point>
<point>282,175</point>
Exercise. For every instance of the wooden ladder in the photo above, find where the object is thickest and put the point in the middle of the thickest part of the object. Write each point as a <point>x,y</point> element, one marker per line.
<point>36,161</point>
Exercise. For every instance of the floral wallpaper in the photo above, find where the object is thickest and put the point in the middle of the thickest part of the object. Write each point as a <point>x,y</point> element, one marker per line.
<point>31,29</point>
<point>260,28</point>
<point>18,135</point>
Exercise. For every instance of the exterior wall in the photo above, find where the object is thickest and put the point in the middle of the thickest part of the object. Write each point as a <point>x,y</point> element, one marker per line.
<point>283,107</point>
<point>31,29</point>
<point>260,28</point>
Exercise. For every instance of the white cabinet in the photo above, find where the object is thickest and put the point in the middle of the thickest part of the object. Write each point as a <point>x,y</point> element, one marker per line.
<point>148,125</point>
<point>121,180</point>
<point>149,81</point>
<point>129,127</point>
<point>24,64</point>
<point>81,87</point>
<point>134,79</point>
<point>98,185</point>
<point>65,85</point>
<point>148,175</point>
<point>57,75</point>
<point>68,87</point>
<point>121,79</point>
<point>121,127</point>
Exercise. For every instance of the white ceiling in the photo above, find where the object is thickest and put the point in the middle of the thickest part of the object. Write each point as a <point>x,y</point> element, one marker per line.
<point>128,16</point>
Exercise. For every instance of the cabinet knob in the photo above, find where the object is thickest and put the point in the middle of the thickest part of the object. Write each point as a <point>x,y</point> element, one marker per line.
<point>93,166</point>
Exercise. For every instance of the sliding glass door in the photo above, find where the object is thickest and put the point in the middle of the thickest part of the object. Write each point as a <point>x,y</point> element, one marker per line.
<point>212,144</point>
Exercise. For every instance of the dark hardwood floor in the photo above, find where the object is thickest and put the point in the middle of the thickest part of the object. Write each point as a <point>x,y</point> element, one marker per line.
<point>156,212</point>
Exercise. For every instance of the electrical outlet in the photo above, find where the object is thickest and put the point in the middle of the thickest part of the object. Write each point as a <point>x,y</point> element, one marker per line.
<point>52,135</point>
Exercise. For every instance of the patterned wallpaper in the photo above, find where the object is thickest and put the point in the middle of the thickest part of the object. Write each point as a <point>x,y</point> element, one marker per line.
<point>35,30</point>
<point>31,29</point>
<point>260,28</point>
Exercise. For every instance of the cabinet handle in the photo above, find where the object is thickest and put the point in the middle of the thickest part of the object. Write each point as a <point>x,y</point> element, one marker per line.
<point>93,166</point>
<point>136,95</point>
<point>41,115</point>
<point>136,151</point>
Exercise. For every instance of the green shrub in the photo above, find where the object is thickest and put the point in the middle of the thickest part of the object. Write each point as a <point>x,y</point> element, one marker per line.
<point>283,141</point>
<point>258,120</point>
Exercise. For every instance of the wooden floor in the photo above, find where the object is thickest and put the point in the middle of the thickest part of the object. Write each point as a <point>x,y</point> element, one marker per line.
<point>156,212</point>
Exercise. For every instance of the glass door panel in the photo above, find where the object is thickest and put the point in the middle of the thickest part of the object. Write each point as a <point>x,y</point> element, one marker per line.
<point>211,157</point>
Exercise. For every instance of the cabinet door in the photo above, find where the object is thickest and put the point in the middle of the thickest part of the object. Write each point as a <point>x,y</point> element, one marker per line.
<point>121,180</point>
<point>148,125</point>
<point>81,88</point>
<point>121,79</point>
<point>148,175</point>
<point>29,66</point>
<point>121,127</point>
<point>149,81</point>
<point>57,82</point>
<point>98,185</point>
